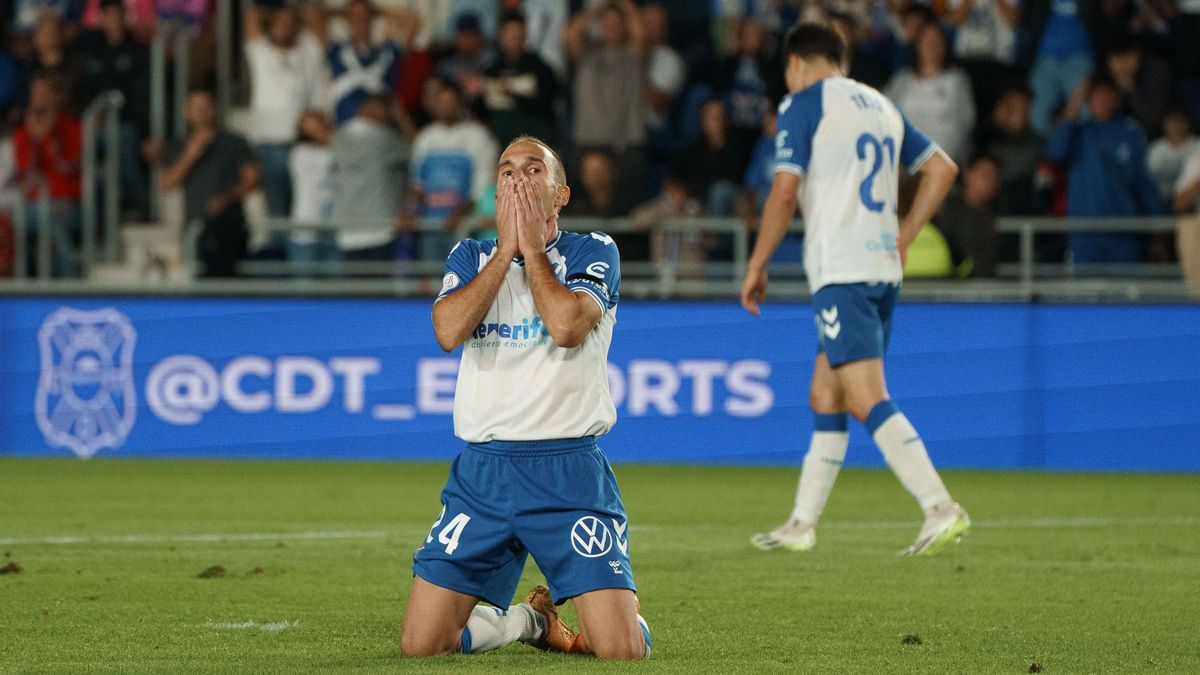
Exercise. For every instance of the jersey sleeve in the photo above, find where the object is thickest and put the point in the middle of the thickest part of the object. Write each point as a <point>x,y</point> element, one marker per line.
<point>916,148</point>
<point>461,267</point>
<point>799,115</point>
<point>596,270</point>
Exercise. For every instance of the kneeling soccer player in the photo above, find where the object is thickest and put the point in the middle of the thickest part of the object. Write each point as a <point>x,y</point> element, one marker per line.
<point>534,312</point>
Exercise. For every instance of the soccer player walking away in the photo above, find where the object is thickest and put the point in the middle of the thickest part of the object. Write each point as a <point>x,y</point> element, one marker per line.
<point>534,312</point>
<point>839,145</point>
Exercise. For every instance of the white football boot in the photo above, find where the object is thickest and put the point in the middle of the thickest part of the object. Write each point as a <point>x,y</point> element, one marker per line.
<point>794,535</point>
<point>946,523</point>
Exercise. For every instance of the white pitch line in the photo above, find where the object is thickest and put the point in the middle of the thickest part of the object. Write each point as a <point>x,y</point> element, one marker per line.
<point>1035,523</point>
<point>272,627</point>
<point>205,538</point>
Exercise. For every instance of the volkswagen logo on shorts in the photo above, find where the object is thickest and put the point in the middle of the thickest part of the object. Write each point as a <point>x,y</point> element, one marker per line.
<point>85,397</point>
<point>590,538</point>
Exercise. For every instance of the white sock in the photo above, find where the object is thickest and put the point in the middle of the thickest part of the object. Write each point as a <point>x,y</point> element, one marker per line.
<point>905,453</point>
<point>826,452</point>
<point>491,628</point>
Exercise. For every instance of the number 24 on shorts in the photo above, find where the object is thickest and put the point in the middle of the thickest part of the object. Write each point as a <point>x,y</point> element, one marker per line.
<point>451,532</point>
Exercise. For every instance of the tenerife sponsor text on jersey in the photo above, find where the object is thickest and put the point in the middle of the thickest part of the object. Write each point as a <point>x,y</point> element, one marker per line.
<point>512,344</point>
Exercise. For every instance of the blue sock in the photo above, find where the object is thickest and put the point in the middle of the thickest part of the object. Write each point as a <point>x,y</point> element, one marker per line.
<point>833,422</point>
<point>880,414</point>
<point>466,641</point>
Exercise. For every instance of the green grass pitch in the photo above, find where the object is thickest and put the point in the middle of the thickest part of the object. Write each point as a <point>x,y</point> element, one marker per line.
<point>1070,573</point>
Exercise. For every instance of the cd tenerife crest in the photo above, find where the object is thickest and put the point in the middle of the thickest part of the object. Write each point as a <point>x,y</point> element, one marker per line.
<point>86,400</point>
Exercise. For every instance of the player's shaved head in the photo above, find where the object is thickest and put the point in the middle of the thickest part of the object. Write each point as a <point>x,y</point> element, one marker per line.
<point>811,41</point>
<point>557,170</point>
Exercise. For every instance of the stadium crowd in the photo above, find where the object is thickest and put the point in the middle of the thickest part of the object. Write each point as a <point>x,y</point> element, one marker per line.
<point>385,114</point>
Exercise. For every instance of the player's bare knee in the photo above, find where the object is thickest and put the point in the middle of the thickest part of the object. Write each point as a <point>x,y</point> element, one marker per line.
<point>860,406</point>
<point>824,402</point>
<point>413,643</point>
<point>621,650</point>
<point>411,646</point>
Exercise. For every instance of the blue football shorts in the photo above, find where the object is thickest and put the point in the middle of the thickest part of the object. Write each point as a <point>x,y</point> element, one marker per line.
<point>854,321</point>
<point>504,500</point>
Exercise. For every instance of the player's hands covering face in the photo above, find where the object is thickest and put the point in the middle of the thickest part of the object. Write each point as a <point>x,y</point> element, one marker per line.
<point>508,242</point>
<point>531,218</point>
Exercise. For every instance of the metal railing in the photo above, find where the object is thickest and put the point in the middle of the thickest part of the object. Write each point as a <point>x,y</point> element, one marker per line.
<point>18,213</point>
<point>173,39</point>
<point>343,267</point>
<point>158,109</point>
<point>224,29</point>
<point>660,278</point>
<point>672,277</point>
<point>177,39</point>
<point>1027,229</point>
<point>108,104</point>
<point>182,42</point>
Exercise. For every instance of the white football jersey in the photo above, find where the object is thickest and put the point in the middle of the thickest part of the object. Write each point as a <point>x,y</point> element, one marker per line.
<point>847,142</point>
<point>514,383</point>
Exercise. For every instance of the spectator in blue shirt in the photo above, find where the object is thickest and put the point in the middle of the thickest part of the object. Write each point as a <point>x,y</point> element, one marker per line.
<point>1060,42</point>
<point>1104,155</point>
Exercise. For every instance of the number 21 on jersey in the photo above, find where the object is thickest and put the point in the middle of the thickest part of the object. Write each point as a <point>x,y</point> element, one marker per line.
<point>870,149</point>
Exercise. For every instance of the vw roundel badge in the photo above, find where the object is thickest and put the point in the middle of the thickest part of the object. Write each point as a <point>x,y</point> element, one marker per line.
<point>86,400</point>
<point>590,537</point>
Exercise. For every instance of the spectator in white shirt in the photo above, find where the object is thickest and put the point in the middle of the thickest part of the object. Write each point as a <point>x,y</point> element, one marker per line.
<point>453,164</point>
<point>1166,156</point>
<point>288,75</point>
<point>935,95</point>
<point>312,192</point>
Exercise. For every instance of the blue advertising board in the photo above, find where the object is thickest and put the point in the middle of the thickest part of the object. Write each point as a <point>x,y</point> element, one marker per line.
<point>1058,387</point>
